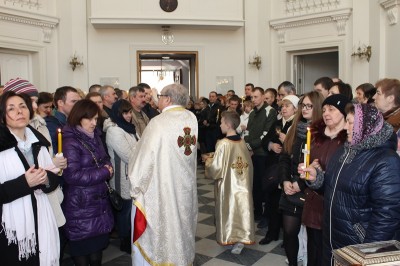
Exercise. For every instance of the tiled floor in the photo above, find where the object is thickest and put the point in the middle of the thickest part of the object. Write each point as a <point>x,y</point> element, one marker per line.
<point>208,252</point>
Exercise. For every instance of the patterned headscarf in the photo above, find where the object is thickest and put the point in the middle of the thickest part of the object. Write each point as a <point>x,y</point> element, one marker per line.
<point>369,131</point>
<point>367,121</point>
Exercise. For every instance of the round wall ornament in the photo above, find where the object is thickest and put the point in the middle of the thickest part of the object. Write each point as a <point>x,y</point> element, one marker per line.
<point>168,5</point>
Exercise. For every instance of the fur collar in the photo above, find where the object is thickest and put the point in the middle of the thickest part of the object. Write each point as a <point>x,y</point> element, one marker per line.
<point>8,141</point>
<point>318,133</point>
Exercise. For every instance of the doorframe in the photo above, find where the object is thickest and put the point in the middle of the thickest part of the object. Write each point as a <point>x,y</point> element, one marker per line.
<point>133,48</point>
<point>296,68</point>
<point>287,53</point>
<point>194,89</point>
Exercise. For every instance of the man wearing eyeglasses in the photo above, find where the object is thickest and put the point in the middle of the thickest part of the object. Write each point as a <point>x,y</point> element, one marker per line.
<point>137,97</point>
<point>162,173</point>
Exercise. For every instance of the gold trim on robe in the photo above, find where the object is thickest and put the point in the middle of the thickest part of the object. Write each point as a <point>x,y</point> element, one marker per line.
<point>232,169</point>
<point>162,174</point>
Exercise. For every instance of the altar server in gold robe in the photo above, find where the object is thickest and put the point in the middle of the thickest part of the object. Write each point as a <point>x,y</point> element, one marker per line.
<point>232,169</point>
<point>162,172</point>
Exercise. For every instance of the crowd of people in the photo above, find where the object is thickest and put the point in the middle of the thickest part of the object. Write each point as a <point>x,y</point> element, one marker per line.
<point>64,153</point>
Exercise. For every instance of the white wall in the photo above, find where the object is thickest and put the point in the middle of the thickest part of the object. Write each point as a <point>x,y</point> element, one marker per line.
<point>106,35</point>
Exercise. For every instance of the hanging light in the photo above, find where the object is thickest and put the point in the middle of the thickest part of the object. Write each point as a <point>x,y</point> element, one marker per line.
<point>162,73</point>
<point>166,36</point>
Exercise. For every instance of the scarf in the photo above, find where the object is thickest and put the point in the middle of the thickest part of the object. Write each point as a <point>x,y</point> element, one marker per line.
<point>369,131</point>
<point>18,220</point>
<point>120,120</point>
<point>83,131</point>
<point>302,129</point>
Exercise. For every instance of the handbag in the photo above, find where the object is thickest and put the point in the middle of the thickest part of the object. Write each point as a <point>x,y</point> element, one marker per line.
<point>313,209</point>
<point>115,198</point>
<point>297,199</point>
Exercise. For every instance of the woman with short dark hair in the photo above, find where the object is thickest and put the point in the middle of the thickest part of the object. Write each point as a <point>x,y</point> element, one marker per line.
<point>29,234</point>
<point>86,204</point>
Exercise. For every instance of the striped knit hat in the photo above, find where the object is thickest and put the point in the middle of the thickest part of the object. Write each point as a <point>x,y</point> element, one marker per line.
<point>20,86</point>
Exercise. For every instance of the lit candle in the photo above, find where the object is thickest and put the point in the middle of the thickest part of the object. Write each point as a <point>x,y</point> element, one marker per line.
<point>217,114</point>
<point>308,148</point>
<point>59,141</point>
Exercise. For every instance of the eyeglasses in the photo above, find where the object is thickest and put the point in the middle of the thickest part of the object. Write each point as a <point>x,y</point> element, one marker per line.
<point>160,95</point>
<point>306,106</point>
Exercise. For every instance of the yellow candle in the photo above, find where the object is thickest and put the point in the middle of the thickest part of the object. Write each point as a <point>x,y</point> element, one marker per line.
<point>59,140</point>
<point>308,144</point>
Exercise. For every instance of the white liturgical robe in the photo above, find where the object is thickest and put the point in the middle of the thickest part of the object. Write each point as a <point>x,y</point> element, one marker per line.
<point>162,173</point>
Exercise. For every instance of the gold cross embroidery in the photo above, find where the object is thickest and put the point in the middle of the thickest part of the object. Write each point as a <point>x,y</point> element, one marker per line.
<point>187,140</point>
<point>239,165</point>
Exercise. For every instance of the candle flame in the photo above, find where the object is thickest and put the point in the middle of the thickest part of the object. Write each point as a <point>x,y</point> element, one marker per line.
<point>59,130</point>
<point>308,128</point>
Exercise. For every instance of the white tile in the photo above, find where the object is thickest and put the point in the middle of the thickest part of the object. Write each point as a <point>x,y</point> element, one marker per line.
<point>202,216</point>
<point>271,260</point>
<point>207,187</point>
<point>209,247</point>
<point>204,230</point>
<point>218,262</point>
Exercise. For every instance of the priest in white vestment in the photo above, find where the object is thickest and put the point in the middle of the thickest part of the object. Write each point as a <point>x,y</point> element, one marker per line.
<point>162,172</point>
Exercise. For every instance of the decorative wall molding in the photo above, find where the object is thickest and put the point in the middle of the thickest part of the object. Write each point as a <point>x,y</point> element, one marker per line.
<point>298,7</point>
<point>100,22</point>
<point>46,23</point>
<point>392,9</point>
<point>340,17</point>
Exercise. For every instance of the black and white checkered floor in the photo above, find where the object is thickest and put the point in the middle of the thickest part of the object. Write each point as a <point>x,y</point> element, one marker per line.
<point>208,252</point>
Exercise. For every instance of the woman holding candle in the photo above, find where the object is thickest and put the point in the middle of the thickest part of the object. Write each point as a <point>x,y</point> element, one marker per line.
<point>328,135</point>
<point>361,183</point>
<point>24,87</point>
<point>86,206</point>
<point>28,234</point>
<point>309,110</point>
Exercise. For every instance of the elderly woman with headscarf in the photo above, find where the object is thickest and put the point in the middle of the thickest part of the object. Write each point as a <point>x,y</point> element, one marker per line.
<point>121,142</point>
<point>28,234</point>
<point>361,183</point>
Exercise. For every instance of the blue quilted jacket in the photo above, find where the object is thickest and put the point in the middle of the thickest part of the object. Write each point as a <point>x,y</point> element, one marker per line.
<point>362,198</point>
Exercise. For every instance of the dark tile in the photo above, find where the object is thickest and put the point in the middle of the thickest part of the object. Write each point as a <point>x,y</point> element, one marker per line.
<point>208,221</point>
<point>202,191</point>
<point>67,262</point>
<point>261,232</point>
<point>247,257</point>
<point>212,237</point>
<point>279,250</point>
<point>124,260</point>
<point>207,209</point>
<point>200,259</point>
<point>205,200</point>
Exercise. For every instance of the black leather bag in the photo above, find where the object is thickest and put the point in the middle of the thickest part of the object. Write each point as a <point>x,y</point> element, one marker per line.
<point>297,199</point>
<point>115,198</point>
